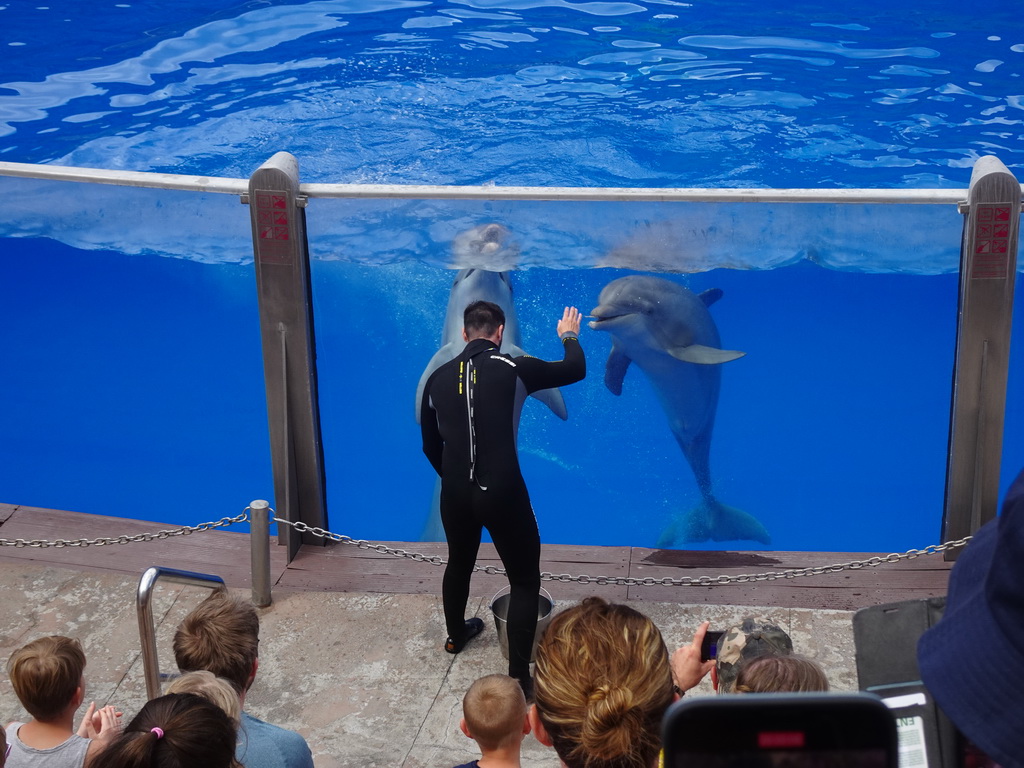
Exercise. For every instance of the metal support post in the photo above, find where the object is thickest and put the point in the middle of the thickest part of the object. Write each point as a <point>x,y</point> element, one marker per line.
<point>988,271</point>
<point>259,539</point>
<point>144,609</point>
<point>289,349</point>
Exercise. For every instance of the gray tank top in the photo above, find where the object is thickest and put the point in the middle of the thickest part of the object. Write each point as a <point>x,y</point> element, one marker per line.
<point>70,754</point>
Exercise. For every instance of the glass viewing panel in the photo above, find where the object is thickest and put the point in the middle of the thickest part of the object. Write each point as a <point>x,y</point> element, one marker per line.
<point>134,381</point>
<point>133,376</point>
<point>831,431</point>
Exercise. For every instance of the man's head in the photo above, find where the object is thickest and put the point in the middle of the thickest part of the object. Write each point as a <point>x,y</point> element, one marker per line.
<point>494,712</point>
<point>46,676</point>
<point>221,635</point>
<point>483,320</point>
<point>750,639</point>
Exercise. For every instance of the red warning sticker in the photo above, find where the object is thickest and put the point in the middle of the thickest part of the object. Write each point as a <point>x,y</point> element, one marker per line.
<point>990,260</point>
<point>273,229</point>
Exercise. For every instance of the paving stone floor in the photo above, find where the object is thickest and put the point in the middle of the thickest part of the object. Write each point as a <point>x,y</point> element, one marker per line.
<point>361,676</point>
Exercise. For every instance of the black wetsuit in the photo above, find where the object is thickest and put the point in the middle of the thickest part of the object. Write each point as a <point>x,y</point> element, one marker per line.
<point>481,484</point>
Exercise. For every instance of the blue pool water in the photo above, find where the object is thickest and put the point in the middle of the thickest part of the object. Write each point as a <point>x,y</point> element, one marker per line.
<point>132,381</point>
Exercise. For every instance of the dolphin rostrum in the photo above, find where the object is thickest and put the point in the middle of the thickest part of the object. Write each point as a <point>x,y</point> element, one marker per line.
<point>479,285</point>
<point>668,332</point>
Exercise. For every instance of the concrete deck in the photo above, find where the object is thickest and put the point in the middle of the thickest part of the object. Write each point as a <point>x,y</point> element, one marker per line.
<point>361,674</point>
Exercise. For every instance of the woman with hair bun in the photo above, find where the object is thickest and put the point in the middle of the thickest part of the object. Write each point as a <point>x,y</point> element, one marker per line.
<point>603,683</point>
<point>179,730</point>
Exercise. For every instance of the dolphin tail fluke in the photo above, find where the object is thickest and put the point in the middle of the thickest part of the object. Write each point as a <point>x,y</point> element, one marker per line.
<point>433,529</point>
<point>714,521</point>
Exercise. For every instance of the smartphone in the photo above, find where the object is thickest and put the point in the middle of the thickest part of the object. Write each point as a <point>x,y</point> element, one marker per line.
<point>796,730</point>
<point>709,648</point>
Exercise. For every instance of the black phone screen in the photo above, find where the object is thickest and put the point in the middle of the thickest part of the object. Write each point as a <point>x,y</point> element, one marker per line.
<point>709,648</point>
<point>828,758</point>
<point>805,730</point>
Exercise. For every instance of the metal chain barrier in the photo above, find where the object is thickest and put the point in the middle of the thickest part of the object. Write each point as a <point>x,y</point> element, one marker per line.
<point>629,581</point>
<point>649,581</point>
<point>103,541</point>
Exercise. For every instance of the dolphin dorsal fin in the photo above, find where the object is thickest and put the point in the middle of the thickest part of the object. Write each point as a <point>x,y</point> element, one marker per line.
<point>710,296</point>
<point>697,353</point>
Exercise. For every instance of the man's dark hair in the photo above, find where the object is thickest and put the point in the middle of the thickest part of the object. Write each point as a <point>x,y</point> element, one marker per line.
<point>481,319</point>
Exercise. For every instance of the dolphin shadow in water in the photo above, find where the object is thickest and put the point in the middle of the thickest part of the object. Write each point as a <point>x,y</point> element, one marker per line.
<point>478,285</point>
<point>668,332</point>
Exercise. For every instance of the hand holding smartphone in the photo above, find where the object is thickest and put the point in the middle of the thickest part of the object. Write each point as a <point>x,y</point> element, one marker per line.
<point>689,665</point>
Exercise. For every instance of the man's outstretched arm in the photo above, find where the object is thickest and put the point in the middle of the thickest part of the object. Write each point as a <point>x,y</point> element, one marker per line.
<point>539,374</point>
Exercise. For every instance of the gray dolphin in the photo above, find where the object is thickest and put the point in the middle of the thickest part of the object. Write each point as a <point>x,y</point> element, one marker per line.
<point>478,285</point>
<point>668,332</point>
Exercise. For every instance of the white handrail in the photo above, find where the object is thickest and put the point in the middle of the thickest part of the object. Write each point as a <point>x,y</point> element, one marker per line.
<point>126,178</point>
<point>231,186</point>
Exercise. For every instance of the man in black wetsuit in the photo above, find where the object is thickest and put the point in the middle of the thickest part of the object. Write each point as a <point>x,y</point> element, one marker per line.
<point>469,417</point>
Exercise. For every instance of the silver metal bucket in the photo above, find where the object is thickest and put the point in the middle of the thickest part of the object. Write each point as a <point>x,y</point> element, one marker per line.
<point>499,608</point>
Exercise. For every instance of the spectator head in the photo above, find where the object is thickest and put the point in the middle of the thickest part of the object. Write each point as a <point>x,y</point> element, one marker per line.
<point>179,730</point>
<point>3,747</point>
<point>972,660</point>
<point>220,635</point>
<point>751,638</point>
<point>46,675</point>
<point>212,688</point>
<point>494,713</point>
<point>482,319</point>
<point>602,685</point>
<point>780,674</point>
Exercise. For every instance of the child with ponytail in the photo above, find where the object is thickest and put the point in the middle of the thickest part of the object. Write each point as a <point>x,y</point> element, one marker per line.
<point>179,730</point>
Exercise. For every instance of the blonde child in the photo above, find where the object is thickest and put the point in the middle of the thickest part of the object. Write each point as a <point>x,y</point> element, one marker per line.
<point>47,677</point>
<point>494,715</point>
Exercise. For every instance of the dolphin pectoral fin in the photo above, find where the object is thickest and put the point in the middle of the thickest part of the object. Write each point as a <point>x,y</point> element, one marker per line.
<point>615,369</point>
<point>714,521</point>
<point>442,356</point>
<point>697,353</point>
<point>552,398</point>
<point>512,350</point>
<point>710,296</point>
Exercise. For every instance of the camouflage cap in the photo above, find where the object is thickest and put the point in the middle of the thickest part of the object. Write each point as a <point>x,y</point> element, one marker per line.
<point>751,638</point>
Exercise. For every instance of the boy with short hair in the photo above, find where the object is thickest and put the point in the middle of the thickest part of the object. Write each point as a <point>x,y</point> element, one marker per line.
<point>46,675</point>
<point>494,715</point>
<point>222,635</point>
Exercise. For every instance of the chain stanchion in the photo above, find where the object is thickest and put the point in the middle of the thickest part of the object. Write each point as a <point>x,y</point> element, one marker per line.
<point>632,581</point>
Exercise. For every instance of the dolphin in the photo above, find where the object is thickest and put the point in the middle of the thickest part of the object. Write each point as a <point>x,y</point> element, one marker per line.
<point>478,285</point>
<point>668,332</point>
